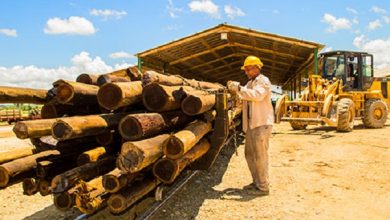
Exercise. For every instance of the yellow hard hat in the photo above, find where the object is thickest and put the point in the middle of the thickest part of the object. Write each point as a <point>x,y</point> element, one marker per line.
<point>252,60</point>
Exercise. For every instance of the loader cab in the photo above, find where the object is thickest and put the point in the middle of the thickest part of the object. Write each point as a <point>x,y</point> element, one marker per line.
<point>355,69</point>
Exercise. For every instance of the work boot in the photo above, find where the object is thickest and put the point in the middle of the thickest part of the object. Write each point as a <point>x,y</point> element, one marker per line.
<point>250,186</point>
<point>257,192</point>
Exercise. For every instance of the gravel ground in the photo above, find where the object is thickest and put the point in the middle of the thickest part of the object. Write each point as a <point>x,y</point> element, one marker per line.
<point>315,174</point>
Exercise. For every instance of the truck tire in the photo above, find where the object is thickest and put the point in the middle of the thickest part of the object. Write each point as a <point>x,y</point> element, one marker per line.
<point>345,115</point>
<point>298,125</point>
<point>375,113</point>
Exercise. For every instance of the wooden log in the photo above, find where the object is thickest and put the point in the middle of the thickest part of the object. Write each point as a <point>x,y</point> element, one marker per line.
<point>60,110</point>
<point>33,128</point>
<point>109,138</point>
<point>115,95</point>
<point>93,155</point>
<point>65,200</point>
<point>76,93</point>
<point>21,165</point>
<point>86,78</point>
<point>166,170</point>
<point>175,80</point>
<point>90,196</point>
<point>160,98</point>
<point>44,187</point>
<point>30,186</point>
<point>104,79</point>
<point>197,104</point>
<point>138,126</point>
<point>119,202</point>
<point>68,179</point>
<point>136,155</point>
<point>15,154</point>
<point>117,180</point>
<point>82,126</point>
<point>178,144</point>
<point>22,95</point>
<point>50,143</point>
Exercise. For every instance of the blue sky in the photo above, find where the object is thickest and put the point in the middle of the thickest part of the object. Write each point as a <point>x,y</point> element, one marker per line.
<point>42,40</point>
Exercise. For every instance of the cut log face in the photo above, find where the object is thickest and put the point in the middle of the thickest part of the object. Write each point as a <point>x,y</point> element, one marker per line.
<point>115,95</point>
<point>44,188</point>
<point>86,78</point>
<point>33,128</point>
<point>138,126</point>
<point>119,202</point>
<point>160,98</point>
<point>77,126</point>
<point>89,196</point>
<point>22,95</point>
<point>64,201</point>
<point>117,180</point>
<point>178,144</point>
<point>30,186</point>
<point>198,104</point>
<point>76,93</point>
<point>166,170</point>
<point>136,155</point>
<point>109,138</point>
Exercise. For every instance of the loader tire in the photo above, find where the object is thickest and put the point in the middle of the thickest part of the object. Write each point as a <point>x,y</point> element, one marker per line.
<point>298,125</point>
<point>345,115</point>
<point>375,113</point>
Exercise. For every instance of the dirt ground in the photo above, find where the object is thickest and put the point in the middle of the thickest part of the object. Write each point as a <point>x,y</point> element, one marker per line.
<point>315,174</point>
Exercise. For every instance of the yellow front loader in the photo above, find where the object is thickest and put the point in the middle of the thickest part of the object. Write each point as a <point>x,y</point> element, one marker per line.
<point>346,91</point>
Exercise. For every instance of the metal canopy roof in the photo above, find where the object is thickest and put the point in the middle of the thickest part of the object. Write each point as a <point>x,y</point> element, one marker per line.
<point>216,54</point>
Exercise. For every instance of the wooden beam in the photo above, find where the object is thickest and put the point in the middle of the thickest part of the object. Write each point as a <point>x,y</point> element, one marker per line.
<point>198,54</point>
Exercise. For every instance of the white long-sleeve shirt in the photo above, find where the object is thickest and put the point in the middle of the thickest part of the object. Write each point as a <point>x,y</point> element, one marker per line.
<point>257,106</point>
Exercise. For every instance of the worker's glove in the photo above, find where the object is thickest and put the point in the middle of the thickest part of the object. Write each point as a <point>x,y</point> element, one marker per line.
<point>233,87</point>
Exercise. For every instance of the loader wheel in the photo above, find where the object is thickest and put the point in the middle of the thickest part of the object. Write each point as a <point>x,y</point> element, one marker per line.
<point>375,113</point>
<point>280,108</point>
<point>298,125</point>
<point>345,115</point>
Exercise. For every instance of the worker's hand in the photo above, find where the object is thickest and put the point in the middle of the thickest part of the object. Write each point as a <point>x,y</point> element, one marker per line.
<point>233,87</point>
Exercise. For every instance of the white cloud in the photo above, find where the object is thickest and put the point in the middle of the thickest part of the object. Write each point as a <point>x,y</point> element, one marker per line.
<point>107,13</point>
<point>373,25</point>
<point>8,32</point>
<point>386,19</point>
<point>378,10</point>
<point>232,11</point>
<point>172,10</point>
<point>336,24</point>
<point>205,6</point>
<point>121,55</point>
<point>355,21</point>
<point>352,10</point>
<point>73,26</point>
<point>36,77</point>
<point>379,48</point>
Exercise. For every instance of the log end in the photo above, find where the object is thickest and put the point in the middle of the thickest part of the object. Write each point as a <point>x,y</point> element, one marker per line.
<point>21,130</point>
<point>166,170</point>
<point>109,96</point>
<point>64,201</point>
<point>4,177</point>
<point>44,188</point>
<point>111,183</point>
<point>105,139</point>
<point>117,203</point>
<point>173,147</point>
<point>130,128</point>
<point>84,78</point>
<point>49,111</point>
<point>192,105</point>
<point>61,130</point>
<point>29,186</point>
<point>131,161</point>
<point>154,97</point>
<point>65,93</point>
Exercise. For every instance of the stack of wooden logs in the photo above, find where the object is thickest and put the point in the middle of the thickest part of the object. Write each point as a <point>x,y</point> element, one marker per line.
<point>111,139</point>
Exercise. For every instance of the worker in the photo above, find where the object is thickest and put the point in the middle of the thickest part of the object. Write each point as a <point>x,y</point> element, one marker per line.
<point>258,118</point>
